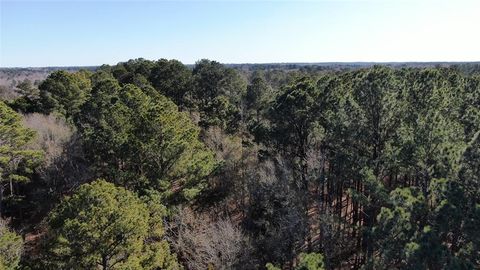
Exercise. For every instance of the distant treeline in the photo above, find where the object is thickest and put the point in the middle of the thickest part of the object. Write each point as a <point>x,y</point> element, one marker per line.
<point>467,67</point>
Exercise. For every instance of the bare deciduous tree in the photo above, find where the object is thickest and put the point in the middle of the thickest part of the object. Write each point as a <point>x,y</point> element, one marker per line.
<point>52,134</point>
<point>64,162</point>
<point>205,243</point>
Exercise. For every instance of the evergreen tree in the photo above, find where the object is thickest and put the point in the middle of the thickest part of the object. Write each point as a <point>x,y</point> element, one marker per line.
<point>64,92</point>
<point>217,94</point>
<point>11,248</point>
<point>172,79</point>
<point>294,124</point>
<point>28,102</point>
<point>257,96</point>
<point>17,160</point>
<point>306,261</point>
<point>143,142</point>
<point>105,226</point>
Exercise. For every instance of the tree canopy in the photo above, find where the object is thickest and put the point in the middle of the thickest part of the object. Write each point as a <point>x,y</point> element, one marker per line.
<point>143,142</point>
<point>277,166</point>
<point>64,92</point>
<point>108,227</point>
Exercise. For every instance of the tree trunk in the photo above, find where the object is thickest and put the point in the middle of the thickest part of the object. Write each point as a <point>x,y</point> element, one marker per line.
<point>1,198</point>
<point>104,262</point>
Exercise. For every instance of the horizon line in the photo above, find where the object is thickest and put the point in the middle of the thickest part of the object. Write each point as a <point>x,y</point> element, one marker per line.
<point>261,63</point>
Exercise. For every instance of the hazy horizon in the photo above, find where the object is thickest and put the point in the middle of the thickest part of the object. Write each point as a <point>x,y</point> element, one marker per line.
<point>269,63</point>
<point>92,33</point>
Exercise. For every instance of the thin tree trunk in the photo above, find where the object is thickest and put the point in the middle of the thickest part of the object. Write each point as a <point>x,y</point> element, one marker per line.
<point>104,262</point>
<point>1,197</point>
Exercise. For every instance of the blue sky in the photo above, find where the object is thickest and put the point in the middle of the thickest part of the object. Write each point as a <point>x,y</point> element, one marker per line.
<point>66,33</point>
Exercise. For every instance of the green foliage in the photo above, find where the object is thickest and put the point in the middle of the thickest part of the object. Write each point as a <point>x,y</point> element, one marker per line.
<point>217,93</point>
<point>107,226</point>
<point>64,92</point>
<point>363,117</point>
<point>133,71</point>
<point>401,126</point>
<point>380,129</point>
<point>29,100</point>
<point>11,248</point>
<point>143,142</point>
<point>294,112</point>
<point>399,226</point>
<point>310,261</point>
<point>172,79</point>
<point>270,266</point>
<point>306,261</point>
<point>257,96</point>
<point>220,112</point>
<point>17,160</point>
<point>294,123</point>
<point>429,233</point>
<point>469,171</point>
<point>381,163</point>
<point>431,135</point>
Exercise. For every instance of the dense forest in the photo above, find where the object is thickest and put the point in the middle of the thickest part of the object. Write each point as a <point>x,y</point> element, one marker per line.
<point>160,165</point>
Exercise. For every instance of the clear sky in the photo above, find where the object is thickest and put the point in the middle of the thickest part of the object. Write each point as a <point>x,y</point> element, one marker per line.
<point>67,33</point>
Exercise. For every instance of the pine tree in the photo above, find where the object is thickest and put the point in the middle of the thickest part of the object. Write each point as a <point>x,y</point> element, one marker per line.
<point>105,226</point>
<point>17,160</point>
